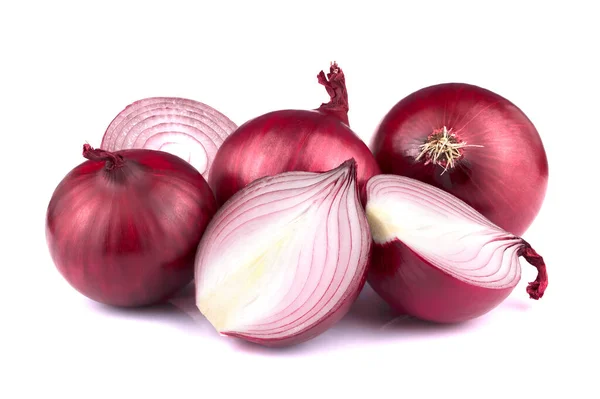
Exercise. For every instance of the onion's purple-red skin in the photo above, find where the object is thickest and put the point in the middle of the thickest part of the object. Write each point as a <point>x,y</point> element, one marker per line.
<point>125,233</point>
<point>412,286</point>
<point>284,141</point>
<point>505,180</point>
<point>293,140</point>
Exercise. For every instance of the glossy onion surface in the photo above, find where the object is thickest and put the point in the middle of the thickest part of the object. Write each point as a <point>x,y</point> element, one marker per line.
<point>293,140</point>
<point>498,162</point>
<point>122,228</point>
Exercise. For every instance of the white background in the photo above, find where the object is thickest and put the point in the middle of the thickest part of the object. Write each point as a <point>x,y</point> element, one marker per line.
<point>66,69</point>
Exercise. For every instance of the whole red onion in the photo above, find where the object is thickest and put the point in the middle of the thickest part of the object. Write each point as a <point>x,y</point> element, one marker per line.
<point>292,140</point>
<point>123,228</point>
<point>472,143</point>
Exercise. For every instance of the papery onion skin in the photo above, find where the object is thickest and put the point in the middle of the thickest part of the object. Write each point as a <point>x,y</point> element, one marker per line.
<point>183,127</point>
<point>502,171</point>
<point>122,228</point>
<point>301,323</point>
<point>293,140</point>
<point>412,285</point>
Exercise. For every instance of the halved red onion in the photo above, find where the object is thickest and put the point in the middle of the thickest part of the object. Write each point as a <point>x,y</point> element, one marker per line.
<point>437,258</point>
<point>189,129</point>
<point>285,257</point>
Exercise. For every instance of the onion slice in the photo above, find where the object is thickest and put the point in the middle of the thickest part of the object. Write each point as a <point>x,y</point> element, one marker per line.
<point>189,129</point>
<point>437,258</point>
<point>285,257</point>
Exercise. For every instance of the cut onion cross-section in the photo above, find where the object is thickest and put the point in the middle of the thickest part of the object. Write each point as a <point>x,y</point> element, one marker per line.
<point>437,258</point>
<point>285,257</point>
<point>189,129</point>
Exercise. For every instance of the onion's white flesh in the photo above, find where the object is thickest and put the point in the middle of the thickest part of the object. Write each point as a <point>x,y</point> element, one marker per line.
<point>438,227</point>
<point>285,257</point>
<point>189,129</point>
<point>435,254</point>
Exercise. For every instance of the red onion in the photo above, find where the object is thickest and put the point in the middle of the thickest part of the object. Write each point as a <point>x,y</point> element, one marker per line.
<point>186,128</point>
<point>293,140</point>
<point>437,258</point>
<point>123,227</point>
<point>285,257</point>
<point>472,143</point>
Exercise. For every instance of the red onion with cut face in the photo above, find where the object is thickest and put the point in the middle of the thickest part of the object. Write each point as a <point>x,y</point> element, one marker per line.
<point>285,257</point>
<point>189,129</point>
<point>123,227</point>
<point>293,140</point>
<point>437,258</point>
<point>472,143</point>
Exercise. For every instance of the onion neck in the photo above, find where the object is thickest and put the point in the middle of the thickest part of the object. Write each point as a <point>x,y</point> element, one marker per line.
<point>536,288</point>
<point>112,161</point>
<point>335,84</point>
<point>442,147</point>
